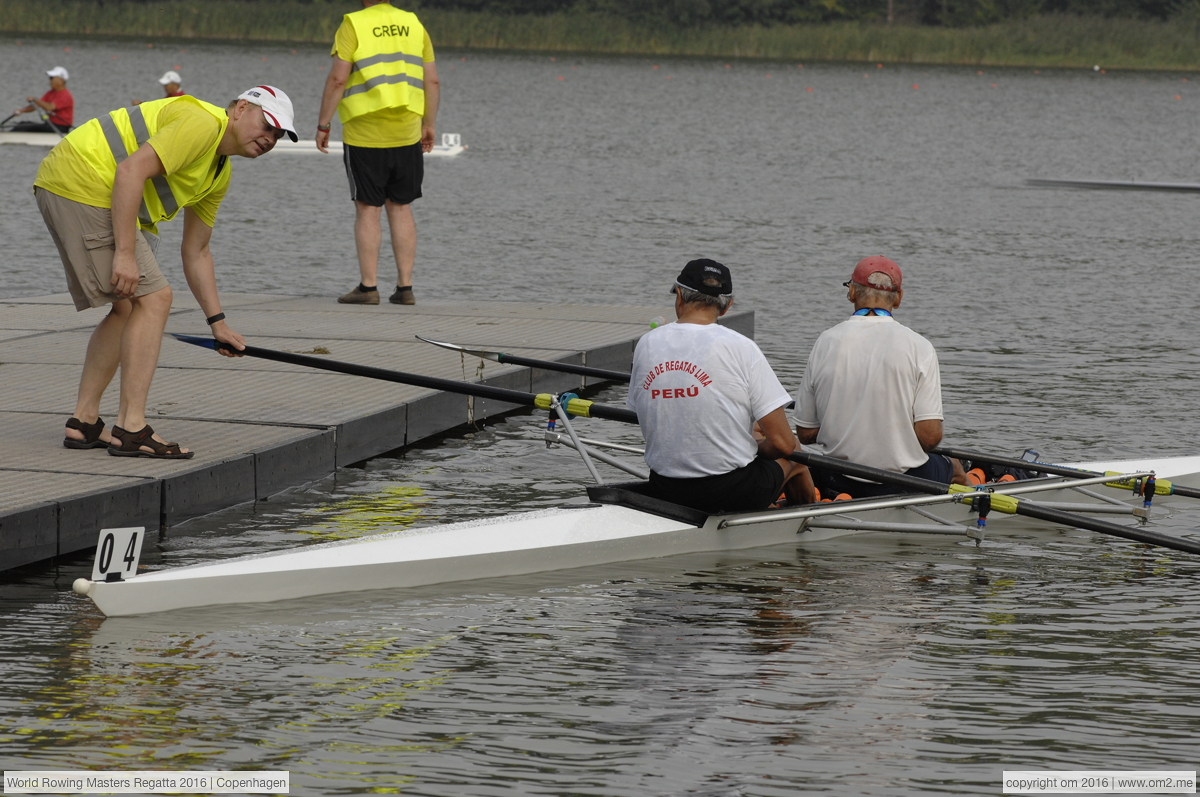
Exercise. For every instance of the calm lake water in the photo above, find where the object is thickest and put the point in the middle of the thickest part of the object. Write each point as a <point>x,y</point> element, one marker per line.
<point>1065,321</point>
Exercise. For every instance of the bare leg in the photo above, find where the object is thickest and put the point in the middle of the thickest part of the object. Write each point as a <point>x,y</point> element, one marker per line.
<point>100,365</point>
<point>959,477</point>
<point>367,237</point>
<point>139,357</point>
<point>403,228</point>
<point>797,483</point>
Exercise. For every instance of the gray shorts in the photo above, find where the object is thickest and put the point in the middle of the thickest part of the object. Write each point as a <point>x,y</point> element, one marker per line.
<point>84,237</point>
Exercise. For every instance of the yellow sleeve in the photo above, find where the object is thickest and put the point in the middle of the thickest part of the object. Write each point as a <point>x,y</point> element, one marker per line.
<point>185,132</point>
<point>427,55</point>
<point>345,42</point>
<point>207,207</point>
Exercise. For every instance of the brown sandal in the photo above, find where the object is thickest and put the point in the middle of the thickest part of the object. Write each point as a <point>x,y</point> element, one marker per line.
<point>91,434</point>
<point>132,442</point>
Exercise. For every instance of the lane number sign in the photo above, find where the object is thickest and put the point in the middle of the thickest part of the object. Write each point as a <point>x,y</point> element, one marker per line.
<point>117,553</point>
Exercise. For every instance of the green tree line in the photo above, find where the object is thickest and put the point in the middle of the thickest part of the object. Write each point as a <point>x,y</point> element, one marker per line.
<point>949,13</point>
<point>701,13</point>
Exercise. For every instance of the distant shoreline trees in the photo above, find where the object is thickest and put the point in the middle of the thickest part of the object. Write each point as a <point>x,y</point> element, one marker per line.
<point>946,13</point>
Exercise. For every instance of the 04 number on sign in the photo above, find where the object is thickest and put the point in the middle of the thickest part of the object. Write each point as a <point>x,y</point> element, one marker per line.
<point>117,553</point>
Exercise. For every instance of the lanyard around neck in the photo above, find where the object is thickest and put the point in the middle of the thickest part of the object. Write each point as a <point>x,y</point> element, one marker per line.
<point>873,311</point>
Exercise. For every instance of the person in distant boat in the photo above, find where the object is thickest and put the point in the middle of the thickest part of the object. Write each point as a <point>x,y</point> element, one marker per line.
<point>384,86</point>
<point>699,391</point>
<point>102,191</point>
<point>57,104</point>
<point>872,391</point>
<point>172,85</point>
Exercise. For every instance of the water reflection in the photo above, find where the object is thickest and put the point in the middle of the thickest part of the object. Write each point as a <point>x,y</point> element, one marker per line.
<point>886,665</point>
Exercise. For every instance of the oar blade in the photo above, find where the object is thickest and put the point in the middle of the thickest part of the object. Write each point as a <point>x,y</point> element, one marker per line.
<point>207,343</point>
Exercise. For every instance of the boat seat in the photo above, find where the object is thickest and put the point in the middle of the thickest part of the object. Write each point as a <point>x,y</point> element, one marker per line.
<point>635,495</point>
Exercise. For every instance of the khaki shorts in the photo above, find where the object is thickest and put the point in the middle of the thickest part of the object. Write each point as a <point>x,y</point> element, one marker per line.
<point>84,237</point>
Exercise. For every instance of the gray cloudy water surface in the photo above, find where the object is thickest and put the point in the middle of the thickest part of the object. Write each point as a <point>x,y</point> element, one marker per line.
<point>1065,320</point>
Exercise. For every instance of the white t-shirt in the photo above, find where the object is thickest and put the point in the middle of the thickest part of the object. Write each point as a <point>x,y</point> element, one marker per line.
<point>697,390</point>
<point>868,380</point>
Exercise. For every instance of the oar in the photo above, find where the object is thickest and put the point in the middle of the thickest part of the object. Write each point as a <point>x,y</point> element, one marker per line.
<point>549,365</point>
<point>1161,486</point>
<point>575,406</point>
<point>46,118</point>
<point>10,116</point>
<point>999,502</point>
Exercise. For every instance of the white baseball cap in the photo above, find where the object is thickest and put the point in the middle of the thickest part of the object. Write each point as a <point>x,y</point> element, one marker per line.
<point>170,76</point>
<point>58,71</point>
<point>276,106</point>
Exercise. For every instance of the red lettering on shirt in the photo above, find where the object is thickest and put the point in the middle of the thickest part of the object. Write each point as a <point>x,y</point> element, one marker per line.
<point>676,365</point>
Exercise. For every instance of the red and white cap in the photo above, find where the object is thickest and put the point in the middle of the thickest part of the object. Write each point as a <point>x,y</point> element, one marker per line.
<point>276,106</point>
<point>877,264</point>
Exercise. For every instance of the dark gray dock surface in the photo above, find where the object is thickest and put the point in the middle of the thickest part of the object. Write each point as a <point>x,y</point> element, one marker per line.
<point>260,427</point>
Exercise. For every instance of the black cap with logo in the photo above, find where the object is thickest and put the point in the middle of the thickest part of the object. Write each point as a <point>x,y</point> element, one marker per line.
<point>706,276</point>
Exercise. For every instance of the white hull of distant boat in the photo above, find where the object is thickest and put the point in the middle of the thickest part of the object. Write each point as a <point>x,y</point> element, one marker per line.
<point>586,535</point>
<point>30,139</point>
<point>450,146</point>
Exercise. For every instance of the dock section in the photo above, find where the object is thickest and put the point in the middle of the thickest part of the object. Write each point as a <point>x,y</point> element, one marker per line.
<point>260,427</point>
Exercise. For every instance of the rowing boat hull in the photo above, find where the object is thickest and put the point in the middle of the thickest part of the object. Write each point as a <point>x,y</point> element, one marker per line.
<point>309,147</point>
<point>30,139</point>
<point>520,544</point>
<point>554,539</point>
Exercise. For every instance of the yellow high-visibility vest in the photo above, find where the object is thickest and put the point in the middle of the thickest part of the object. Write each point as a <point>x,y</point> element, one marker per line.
<point>110,138</point>
<point>387,71</point>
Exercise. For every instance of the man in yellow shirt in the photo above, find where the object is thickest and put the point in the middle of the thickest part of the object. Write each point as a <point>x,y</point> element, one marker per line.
<point>384,86</point>
<point>102,192</point>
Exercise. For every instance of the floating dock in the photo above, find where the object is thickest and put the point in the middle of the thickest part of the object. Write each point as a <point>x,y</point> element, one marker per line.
<point>259,427</point>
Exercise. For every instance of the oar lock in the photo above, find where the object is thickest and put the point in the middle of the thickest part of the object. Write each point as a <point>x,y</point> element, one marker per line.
<point>573,404</point>
<point>983,500</point>
<point>1147,488</point>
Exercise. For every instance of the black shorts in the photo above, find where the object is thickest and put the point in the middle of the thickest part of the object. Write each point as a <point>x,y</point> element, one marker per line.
<point>936,469</point>
<point>379,173</point>
<point>748,489</point>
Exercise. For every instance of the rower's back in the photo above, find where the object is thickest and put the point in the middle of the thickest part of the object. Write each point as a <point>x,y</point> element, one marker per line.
<point>868,380</point>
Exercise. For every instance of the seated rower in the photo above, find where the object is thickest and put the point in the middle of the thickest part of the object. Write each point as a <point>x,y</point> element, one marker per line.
<point>872,391</point>
<point>57,107</point>
<point>172,85</point>
<point>698,389</point>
